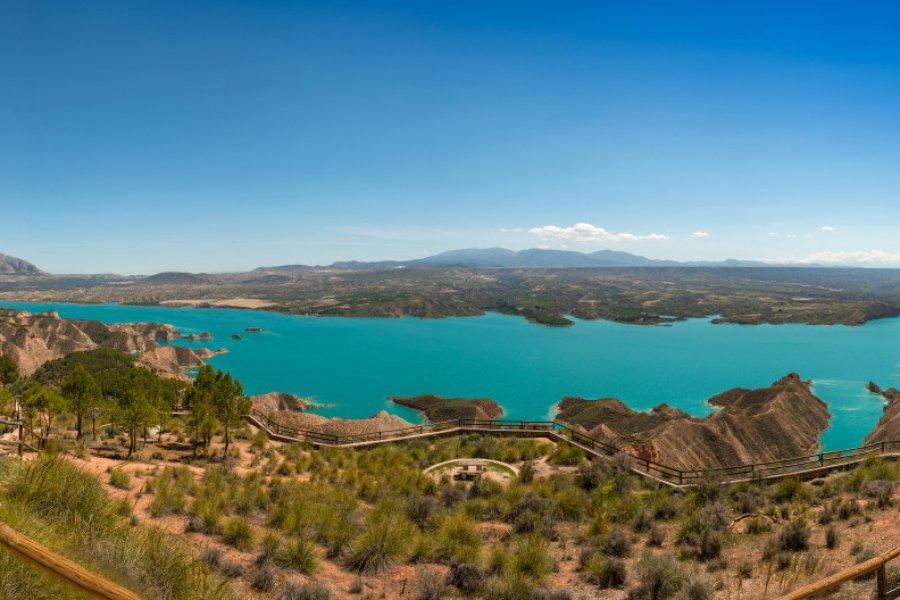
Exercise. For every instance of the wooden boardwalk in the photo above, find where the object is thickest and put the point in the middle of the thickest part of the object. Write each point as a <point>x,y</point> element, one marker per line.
<point>803,467</point>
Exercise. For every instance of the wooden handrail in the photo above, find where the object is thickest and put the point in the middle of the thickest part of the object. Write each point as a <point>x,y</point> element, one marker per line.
<point>63,569</point>
<point>874,565</point>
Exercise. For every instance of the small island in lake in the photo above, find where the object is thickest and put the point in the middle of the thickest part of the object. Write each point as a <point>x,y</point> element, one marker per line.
<point>437,408</point>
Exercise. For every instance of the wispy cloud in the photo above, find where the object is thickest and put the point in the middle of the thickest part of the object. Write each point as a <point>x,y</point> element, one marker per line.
<point>826,228</point>
<point>700,234</point>
<point>585,232</point>
<point>875,258</point>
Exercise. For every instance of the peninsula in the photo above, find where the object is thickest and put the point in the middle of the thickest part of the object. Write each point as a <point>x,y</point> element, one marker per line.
<point>545,287</point>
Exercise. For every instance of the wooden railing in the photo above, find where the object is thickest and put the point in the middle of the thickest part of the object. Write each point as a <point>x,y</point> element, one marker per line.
<point>775,469</point>
<point>875,565</point>
<point>24,431</point>
<point>72,574</point>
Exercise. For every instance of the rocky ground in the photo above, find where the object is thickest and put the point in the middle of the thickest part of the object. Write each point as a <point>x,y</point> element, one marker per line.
<point>740,573</point>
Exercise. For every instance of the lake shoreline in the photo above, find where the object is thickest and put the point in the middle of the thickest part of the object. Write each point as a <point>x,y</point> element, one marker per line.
<point>355,365</point>
<point>261,305</point>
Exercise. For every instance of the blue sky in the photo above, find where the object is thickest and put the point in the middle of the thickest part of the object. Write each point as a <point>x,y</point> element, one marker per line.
<point>211,136</point>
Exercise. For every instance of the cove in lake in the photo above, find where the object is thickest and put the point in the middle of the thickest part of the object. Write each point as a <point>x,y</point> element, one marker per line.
<point>354,364</point>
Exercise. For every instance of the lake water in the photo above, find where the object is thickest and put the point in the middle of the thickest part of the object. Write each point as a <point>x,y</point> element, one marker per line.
<point>355,364</point>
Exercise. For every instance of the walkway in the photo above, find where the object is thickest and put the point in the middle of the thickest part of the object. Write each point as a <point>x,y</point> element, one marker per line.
<point>803,467</point>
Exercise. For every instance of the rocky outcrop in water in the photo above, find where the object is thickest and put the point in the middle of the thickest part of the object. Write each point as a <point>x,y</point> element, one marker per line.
<point>33,339</point>
<point>275,401</point>
<point>437,408</point>
<point>198,336</point>
<point>782,421</point>
<point>888,427</point>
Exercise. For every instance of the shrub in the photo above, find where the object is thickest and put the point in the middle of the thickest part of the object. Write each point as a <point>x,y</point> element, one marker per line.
<point>386,539</point>
<point>533,514</point>
<point>658,577</point>
<point>591,475</point>
<point>168,497</point>
<point>211,556</point>
<point>264,580</point>
<point>531,557</point>
<point>697,587</point>
<point>466,577</point>
<point>230,568</point>
<point>605,572</point>
<point>431,585</point>
<point>831,537</point>
<point>526,472</point>
<point>259,441</point>
<point>421,509</point>
<point>745,569</point>
<point>656,537</point>
<point>746,502</point>
<point>787,489</point>
<point>121,479</point>
<point>616,543</point>
<point>664,506</point>
<point>271,548</point>
<point>458,539</point>
<point>879,490</point>
<point>865,554</point>
<point>300,555</point>
<point>511,586</point>
<point>642,520</point>
<point>703,534</point>
<point>758,525</point>
<point>312,590</point>
<point>238,533</point>
<point>793,537</point>
<point>566,455</point>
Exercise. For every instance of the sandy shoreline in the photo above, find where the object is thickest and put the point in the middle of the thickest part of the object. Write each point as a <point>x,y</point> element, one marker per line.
<point>227,303</point>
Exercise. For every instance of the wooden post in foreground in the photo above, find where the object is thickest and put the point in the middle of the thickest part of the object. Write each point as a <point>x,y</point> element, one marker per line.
<point>875,565</point>
<point>63,569</point>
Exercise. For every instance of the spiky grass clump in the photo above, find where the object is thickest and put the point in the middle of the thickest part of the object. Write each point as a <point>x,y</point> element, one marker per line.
<point>385,540</point>
<point>66,509</point>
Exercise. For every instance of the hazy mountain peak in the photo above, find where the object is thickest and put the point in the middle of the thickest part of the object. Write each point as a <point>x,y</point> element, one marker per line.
<point>11,265</point>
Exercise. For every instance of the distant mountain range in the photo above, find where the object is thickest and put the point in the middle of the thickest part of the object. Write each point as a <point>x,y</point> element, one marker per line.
<point>531,258</point>
<point>534,258</point>
<point>10,265</point>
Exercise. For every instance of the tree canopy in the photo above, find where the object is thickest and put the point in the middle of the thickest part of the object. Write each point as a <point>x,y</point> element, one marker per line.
<point>9,370</point>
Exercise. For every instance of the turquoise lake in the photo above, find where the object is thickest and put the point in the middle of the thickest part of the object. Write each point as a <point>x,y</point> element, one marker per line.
<point>355,364</point>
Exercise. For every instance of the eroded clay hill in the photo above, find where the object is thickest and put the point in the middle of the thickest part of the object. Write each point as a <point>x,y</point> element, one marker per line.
<point>888,427</point>
<point>33,339</point>
<point>782,421</point>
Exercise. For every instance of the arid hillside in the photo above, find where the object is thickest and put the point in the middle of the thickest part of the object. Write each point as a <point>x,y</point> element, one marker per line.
<point>781,421</point>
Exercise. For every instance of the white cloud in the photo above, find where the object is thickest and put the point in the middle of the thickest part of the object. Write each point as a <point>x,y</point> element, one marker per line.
<point>585,232</point>
<point>700,234</point>
<point>826,228</point>
<point>792,236</point>
<point>875,258</point>
<point>772,234</point>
